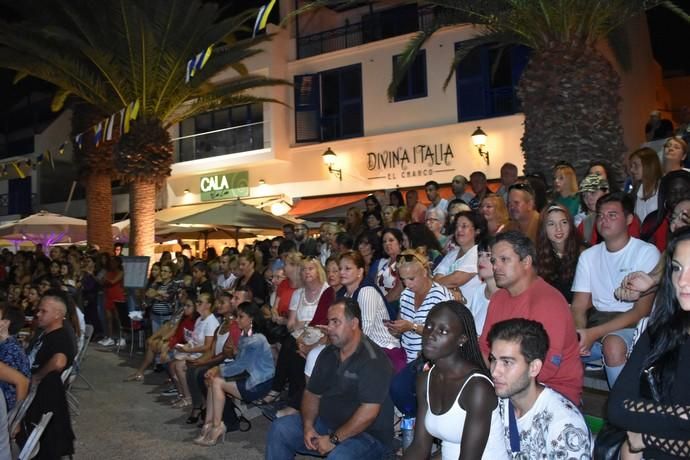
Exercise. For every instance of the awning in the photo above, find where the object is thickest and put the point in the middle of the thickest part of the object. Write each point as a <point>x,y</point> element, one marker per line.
<point>308,206</point>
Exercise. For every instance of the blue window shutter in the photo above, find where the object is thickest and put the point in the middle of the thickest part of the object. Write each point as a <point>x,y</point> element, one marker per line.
<point>19,196</point>
<point>473,86</point>
<point>307,108</point>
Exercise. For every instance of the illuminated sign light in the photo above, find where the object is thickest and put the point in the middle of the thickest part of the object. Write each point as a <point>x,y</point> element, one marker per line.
<point>224,186</point>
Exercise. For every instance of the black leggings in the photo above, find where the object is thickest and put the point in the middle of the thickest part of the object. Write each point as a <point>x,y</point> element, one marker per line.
<point>290,370</point>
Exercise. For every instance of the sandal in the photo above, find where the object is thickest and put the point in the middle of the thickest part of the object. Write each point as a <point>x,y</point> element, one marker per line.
<point>136,377</point>
<point>182,403</point>
<point>270,398</point>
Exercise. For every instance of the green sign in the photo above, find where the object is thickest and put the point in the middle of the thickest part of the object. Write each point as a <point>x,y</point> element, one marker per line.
<point>223,186</point>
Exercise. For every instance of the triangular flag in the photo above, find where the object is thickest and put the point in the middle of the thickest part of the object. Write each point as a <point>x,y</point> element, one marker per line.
<point>122,120</point>
<point>188,73</point>
<point>109,131</point>
<point>20,173</point>
<point>50,158</point>
<point>78,139</point>
<point>262,17</point>
<point>135,110</point>
<point>98,133</point>
<point>61,149</point>
<point>207,55</point>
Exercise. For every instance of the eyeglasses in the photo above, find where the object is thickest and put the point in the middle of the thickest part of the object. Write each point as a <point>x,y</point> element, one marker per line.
<point>610,215</point>
<point>524,186</point>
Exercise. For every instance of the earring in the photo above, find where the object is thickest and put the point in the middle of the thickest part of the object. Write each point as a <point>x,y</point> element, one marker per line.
<point>250,332</point>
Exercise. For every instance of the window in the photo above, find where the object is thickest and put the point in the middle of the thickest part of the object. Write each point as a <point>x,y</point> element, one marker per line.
<point>328,105</point>
<point>486,81</point>
<point>231,130</point>
<point>414,84</point>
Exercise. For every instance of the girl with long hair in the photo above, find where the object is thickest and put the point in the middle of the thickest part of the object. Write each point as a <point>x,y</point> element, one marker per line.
<point>645,170</point>
<point>456,401</point>
<point>565,188</point>
<point>650,399</point>
<point>672,187</point>
<point>558,248</point>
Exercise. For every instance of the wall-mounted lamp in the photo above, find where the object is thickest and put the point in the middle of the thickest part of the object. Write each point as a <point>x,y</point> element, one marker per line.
<point>479,141</point>
<point>329,158</point>
<point>262,182</point>
<point>186,191</point>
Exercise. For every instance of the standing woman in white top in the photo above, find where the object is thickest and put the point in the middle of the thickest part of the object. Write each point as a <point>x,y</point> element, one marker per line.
<point>458,269</point>
<point>456,401</point>
<point>199,344</point>
<point>645,170</point>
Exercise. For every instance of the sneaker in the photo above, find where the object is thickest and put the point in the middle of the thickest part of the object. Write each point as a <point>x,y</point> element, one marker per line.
<point>122,343</point>
<point>107,342</point>
<point>172,391</point>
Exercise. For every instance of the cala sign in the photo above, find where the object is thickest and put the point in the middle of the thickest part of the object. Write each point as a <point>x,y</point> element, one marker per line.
<point>223,186</point>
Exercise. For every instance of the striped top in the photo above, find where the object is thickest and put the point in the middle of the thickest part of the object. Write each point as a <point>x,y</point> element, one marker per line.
<point>410,340</point>
<point>374,313</point>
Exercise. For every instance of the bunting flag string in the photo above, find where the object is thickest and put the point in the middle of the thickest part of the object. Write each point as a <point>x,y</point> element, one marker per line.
<point>197,63</point>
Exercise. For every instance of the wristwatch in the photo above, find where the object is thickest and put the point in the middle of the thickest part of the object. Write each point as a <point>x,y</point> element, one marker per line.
<point>334,439</point>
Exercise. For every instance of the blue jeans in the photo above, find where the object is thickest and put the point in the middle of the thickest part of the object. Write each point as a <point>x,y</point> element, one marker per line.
<point>286,438</point>
<point>403,389</point>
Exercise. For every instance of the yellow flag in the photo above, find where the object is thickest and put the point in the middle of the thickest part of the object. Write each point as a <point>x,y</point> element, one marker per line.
<point>20,173</point>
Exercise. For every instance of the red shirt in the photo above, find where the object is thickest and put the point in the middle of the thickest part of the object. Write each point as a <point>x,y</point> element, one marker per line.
<point>187,322</point>
<point>562,371</point>
<point>320,317</point>
<point>284,295</point>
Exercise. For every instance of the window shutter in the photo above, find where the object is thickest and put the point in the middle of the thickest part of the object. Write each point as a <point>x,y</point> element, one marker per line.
<point>307,108</point>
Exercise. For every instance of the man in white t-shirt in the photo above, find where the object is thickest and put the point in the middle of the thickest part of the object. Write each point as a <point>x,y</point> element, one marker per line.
<point>226,278</point>
<point>606,332</point>
<point>538,422</point>
<point>432,194</point>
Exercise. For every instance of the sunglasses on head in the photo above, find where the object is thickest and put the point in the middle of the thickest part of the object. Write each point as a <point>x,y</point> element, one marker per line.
<point>524,186</point>
<point>410,258</point>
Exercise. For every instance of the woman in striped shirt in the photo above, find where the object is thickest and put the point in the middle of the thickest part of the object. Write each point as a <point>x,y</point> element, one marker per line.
<point>421,294</point>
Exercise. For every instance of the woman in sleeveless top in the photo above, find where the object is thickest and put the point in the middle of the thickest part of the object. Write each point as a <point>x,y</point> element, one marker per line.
<point>456,401</point>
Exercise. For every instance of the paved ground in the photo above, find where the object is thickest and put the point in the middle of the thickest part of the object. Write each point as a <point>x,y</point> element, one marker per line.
<point>130,420</point>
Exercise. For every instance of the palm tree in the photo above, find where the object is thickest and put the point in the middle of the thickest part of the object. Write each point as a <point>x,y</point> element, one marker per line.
<point>112,52</point>
<point>568,90</point>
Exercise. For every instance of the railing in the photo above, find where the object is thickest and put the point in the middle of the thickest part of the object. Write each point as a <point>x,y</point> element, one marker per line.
<point>376,27</point>
<point>224,141</point>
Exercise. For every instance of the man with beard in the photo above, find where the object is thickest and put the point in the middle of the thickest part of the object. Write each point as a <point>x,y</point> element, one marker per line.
<point>544,423</point>
<point>523,294</point>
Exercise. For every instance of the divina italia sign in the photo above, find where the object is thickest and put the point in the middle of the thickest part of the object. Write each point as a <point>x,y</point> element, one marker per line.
<point>223,186</point>
<point>415,161</point>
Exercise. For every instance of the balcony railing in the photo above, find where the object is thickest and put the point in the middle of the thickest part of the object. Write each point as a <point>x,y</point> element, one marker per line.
<point>224,141</point>
<point>372,28</point>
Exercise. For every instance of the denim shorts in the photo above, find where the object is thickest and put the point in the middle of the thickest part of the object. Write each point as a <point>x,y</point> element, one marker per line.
<point>258,392</point>
<point>597,353</point>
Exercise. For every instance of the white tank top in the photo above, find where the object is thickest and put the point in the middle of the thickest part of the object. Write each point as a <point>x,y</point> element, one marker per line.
<point>448,427</point>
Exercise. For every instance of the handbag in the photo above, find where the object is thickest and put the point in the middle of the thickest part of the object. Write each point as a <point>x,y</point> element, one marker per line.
<point>608,442</point>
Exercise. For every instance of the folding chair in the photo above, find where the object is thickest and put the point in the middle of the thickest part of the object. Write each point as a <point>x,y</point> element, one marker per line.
<point>16,415</point>
<point>88,334</point>
<point>35,436</point>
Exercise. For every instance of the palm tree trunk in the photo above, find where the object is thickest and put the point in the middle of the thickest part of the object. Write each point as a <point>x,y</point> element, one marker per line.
<point>99,210</point>
<point>142,210</point>
<point>569,94</point>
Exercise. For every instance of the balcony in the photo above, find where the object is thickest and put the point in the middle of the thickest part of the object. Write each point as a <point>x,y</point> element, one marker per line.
<point>373,27</point>
<point>219,142</point>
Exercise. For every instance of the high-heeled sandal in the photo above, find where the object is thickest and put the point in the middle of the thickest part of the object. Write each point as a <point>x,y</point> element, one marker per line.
<point>216,433</point>
<point>205,429</point>
<point>192,419</point>
<point>136,377</point>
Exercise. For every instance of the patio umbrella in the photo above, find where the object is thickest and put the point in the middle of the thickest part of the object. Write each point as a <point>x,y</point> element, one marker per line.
<point>45,228</point>
<point>234,214</point>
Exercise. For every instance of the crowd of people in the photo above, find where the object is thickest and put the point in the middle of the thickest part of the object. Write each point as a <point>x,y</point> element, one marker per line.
<point>471,318</point>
